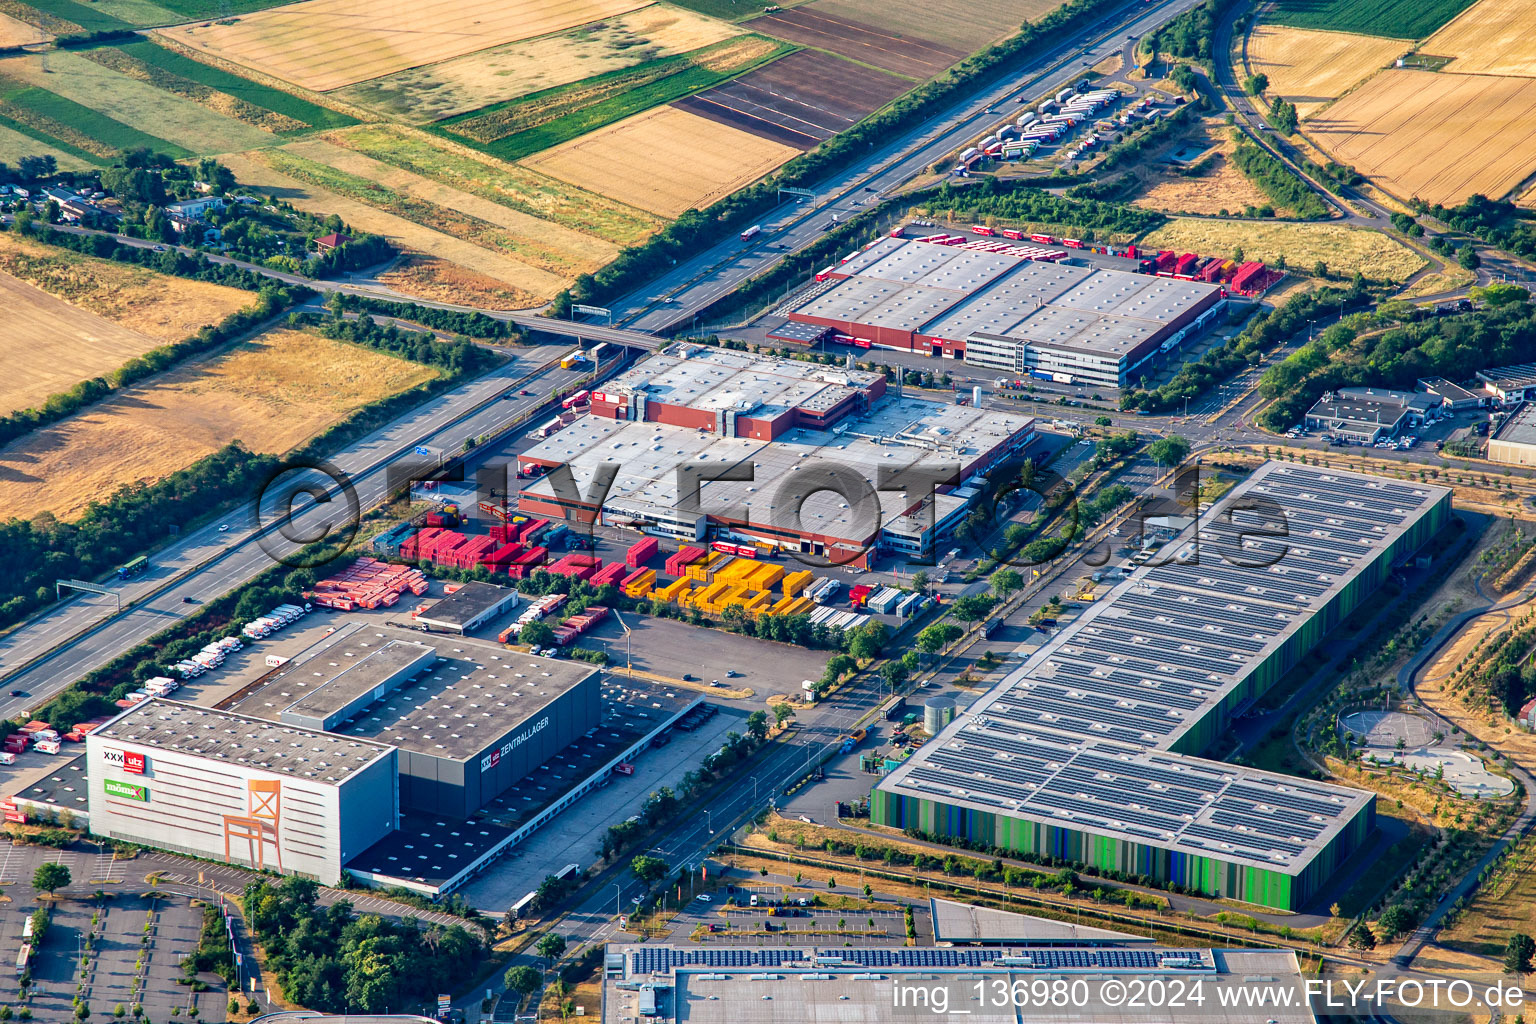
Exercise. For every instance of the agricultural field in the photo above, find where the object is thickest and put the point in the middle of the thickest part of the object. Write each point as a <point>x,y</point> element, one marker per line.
<point>272,393</point>
<point>107,15</point>
<point>1435,136</point>
<point>519,188</point>
<point>1312,68</point>
<point>71,317</point>
<point>915,57</point>
<point>15,32</point>
<point>54,119</point>
<point>555,250</point>
<point>799,100</point>
<point>428,277</point>
<point>664,160</point>
<point>14,145</point>
<point>1492,37</point>
<point>1399,19</point>
<point>1221,190</point>
<point>307,188</point>
<point>129,101</point>
<point>539,121</point>
<point>966,25</point>
<point>503,73</point>
<point>327,44</point>
<point>1302,245</point>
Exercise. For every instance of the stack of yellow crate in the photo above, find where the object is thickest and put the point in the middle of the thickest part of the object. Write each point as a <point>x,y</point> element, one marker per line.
<point>797,581</point>
<point>676,591</point>
<point>642,584</point>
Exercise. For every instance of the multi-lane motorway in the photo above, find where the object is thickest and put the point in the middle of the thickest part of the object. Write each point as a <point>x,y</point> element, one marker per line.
<point>39,658</point>
<point>674,298</point>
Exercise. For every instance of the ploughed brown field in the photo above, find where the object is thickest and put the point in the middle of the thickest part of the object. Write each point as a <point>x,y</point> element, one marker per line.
<point>918,58</point>
<point>799,100</point>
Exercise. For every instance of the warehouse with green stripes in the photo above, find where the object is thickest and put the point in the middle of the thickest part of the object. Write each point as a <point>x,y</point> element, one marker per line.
<point>1091,751</point>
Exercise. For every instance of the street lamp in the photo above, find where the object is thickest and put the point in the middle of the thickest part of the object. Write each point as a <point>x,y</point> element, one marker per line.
<point>618,894</point>
<point>709,820</point>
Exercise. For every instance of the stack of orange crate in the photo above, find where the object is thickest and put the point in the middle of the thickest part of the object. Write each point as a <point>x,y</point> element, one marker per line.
<point>368,583</point>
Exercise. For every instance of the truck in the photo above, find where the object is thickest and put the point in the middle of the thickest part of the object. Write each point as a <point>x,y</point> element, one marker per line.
<point>1062,378</point>
<point>751,232</point>
<point>982,229</point>
<point>134,567</point>
<point>1047,239</point>
<point>1013,233</point>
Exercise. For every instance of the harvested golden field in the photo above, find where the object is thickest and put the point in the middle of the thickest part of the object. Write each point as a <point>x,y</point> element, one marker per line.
<point>1221,190</point>
<point>1311,68</point>
<point>271,393</point>
<point>664,160</point>
<point>965,24</point>
<point>469,170</point>
<point>1492,37</point>
<point>428,277</point>
<point>506,72</point>
<point>26,14</point>
<point>1345,249</point>
<point>161,308</point>
<point>254,170</point>
<point>1435,136</point>
<point>550,248</point>
<point>14,145</point>
<point>326,44</point>
<point>15,32</point>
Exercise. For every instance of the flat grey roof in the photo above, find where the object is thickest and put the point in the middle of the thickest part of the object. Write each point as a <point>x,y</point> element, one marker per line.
<point>1080,735</point>
<point>242,739</point>
<point>355,678</point>
<point>953,293</point>
<point>1450,390</point>
<point>896,433</point>
<point>468,602</point>
<point>1509,378</point>
<point>962,922</point>
<point>472,695</point>
<point>702,377</point>
<point>1519,428</point>
<point>854,985</point>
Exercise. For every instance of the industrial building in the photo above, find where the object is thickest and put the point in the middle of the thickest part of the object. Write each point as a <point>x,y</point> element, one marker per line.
<point>1510,384</point>
<point>1514,443</point>
<point>468,719</point>
<point>230,787</point>
<point>468,608</point>
<point>965,924</point>
<point>795,456</point>
<point>1001,312</point>
<point>1368,415</point>
<point>847,984</point>
<point>1091,751</point>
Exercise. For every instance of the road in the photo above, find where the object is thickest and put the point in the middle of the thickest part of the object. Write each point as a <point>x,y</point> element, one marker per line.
<point>692,285</point>
<point>40,659</point>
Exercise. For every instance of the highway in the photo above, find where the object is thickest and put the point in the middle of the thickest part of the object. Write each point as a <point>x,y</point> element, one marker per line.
<point>40,658</point>
<point>674,298</point>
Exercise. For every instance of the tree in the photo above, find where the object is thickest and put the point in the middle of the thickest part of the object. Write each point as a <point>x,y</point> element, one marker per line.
<point>1255,84</point>
<point>50,877</point>
<point>894,672</point>
<point>536,634</point>
<point>551,945</point>
<point>920,581</point>
<point>1103,421</point>
<point>1468,257</point>
<point>1183,79</point>
<point>1518,953</point>
<point>868,640</point>
<point>522,979</point>
<point>933,639</point>
<point>782,713</point>
<point>1005,582</point>
<point>973,607</point>
<point>1168,451</point>
<point>1283,114</point>
<point>1394,921</point>
<point>757,725</point>
<point>1362,937</point>
<point>1499,294</point>
<point>649,870</point>
<point>1319,269</point>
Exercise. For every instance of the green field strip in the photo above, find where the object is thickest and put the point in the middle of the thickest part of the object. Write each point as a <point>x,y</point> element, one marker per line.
<point>13,147</point>
<point>87,16</point>
<point>109,132</point>
<point>179,121</point>
<point>727,10</point>
<point>585,119</point>
<point>1398,19</point>
<point>264,96</point>
<point>207,10</point>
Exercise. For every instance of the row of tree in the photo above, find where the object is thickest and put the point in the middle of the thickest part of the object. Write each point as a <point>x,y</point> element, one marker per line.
<point>1278,181</point>
<point>1009,201</point>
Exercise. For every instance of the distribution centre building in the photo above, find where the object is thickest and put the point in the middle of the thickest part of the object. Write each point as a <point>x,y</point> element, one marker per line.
<point>230,787</point>
<point>795,456</point>
<point>1004,313</point>
<point>467,718</point>
<point>1091,751</point>
<point>469,607</point>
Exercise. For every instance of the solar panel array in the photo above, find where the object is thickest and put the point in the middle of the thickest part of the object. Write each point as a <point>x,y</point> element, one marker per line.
<point>665,959</point>
<point>1079,736</point>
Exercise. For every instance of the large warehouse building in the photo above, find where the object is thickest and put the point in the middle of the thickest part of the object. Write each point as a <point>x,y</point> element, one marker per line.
<point>1000,312</point>
<point>801,457</point>
<point>465,726</point>
<point>234,788</point>
<point>1090,752</point>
